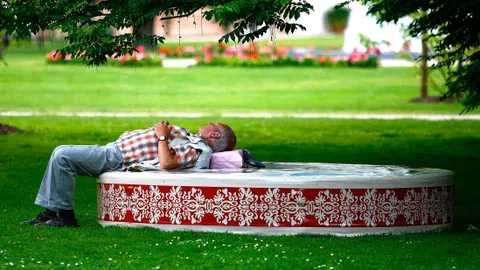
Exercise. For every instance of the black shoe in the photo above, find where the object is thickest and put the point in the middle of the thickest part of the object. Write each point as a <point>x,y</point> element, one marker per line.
<point>40,219</point>
<point>59,222</point>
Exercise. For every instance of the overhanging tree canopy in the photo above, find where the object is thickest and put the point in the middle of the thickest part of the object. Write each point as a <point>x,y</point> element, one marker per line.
<point>87,23</point>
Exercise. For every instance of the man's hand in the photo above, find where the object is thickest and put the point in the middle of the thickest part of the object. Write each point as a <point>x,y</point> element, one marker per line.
<point>165,157</point>
<point>162,128</point>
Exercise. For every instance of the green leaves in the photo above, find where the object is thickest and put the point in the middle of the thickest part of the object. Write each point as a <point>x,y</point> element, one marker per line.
<point>252,19</point>
<point>88,24</point>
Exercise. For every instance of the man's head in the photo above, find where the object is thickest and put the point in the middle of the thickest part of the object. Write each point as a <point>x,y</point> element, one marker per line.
<point>220,137</point>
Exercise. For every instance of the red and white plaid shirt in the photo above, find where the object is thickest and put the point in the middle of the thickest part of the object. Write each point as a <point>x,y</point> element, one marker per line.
<point>142,145</point>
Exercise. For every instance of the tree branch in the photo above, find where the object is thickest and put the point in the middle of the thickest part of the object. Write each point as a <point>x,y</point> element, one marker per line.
<point>180,16</point>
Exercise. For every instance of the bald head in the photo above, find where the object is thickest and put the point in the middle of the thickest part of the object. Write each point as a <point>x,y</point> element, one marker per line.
<point>220,137</point>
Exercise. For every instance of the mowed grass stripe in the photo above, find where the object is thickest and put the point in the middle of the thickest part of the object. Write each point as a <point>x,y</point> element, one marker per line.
<point>50,88</point>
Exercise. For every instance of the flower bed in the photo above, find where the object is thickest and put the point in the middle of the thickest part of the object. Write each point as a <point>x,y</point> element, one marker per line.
<point>322,61</point>
<point>141,58</point>
<point>253,54</point>
<point>237,56</point>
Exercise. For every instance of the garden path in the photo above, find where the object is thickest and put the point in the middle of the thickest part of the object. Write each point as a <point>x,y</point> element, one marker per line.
<point>429,117</point>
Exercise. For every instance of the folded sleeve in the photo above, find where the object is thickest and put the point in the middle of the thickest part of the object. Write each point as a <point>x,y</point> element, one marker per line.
<point>185,155</point>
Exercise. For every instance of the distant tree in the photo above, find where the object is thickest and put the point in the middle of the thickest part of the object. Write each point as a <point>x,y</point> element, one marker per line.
<point>87,23</point>
<point>456,26</point>
<point>5,41</point>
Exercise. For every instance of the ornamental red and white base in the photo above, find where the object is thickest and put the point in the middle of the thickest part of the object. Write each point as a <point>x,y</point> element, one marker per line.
<point>280,200</point>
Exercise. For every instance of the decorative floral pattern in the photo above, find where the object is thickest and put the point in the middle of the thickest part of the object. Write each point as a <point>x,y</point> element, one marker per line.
<point>275,207</point>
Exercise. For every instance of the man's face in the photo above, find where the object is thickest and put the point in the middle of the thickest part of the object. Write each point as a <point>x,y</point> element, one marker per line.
<point>211,128</point>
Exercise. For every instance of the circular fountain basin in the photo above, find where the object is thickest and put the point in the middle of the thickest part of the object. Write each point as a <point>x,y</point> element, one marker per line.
<point>284,198</point>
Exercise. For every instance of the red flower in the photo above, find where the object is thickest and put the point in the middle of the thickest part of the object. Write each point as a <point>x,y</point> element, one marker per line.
<point>141,48</point>
<point>253,56</point>
<point>165,50</point>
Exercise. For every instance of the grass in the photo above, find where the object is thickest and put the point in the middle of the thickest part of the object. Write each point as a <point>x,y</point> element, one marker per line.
<point>323,42</point>
<point>451,145</point>
<point>28,83</point>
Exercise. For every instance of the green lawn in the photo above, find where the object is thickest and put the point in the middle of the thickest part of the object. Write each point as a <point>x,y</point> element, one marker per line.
<point>30,84</point>
<point>325,42</point>
<point>451,145</point>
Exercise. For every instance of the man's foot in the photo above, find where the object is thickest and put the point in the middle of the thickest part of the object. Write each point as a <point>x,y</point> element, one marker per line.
<point>59,222</point>
<point>40,219</point>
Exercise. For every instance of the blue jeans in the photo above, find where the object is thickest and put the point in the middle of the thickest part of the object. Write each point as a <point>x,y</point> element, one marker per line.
<point>58,185</point>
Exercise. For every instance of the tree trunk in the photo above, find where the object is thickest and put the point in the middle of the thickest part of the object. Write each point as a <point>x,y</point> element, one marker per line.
<point>146,29</point>
<point>40,40</point>
<point>424,69</point>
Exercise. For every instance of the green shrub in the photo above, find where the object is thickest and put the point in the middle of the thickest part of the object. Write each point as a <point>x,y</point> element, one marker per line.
<point>336,19</point>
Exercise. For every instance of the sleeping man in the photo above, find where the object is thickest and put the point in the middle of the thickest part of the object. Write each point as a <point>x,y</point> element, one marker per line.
<point>174,148</point>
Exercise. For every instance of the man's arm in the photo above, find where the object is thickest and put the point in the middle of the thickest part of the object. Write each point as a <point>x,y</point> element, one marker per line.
<point>165,157</point>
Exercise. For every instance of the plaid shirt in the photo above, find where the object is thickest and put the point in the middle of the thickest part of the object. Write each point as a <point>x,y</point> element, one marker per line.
<point>142,145</point>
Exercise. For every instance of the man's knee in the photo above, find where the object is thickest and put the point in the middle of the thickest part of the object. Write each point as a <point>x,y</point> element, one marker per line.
<point>61,153</point>
<point>58,148</point>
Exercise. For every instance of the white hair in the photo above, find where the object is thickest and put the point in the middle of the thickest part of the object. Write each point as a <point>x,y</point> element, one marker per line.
<point>226,142</point>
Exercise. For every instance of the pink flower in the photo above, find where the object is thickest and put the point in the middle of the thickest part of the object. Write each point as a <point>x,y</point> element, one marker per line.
<point>124,57</point>
<point>140,56</point>
<point>54,56</point>
<point>68,57</point>
<point>308,56</point>
<point>207,48</point>
<point>141,48</point>
<point>233,49</point>
<point>265,50</point>
<point>298,57</point>
<point>242,56</point>
<point>354,57</point>
<point>189,49</point>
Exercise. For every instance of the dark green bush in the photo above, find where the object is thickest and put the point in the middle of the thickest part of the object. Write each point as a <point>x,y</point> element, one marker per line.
<point>336,19</point>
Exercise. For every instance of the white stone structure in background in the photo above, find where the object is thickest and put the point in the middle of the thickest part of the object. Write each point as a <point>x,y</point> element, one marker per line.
<point>360,23</point>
